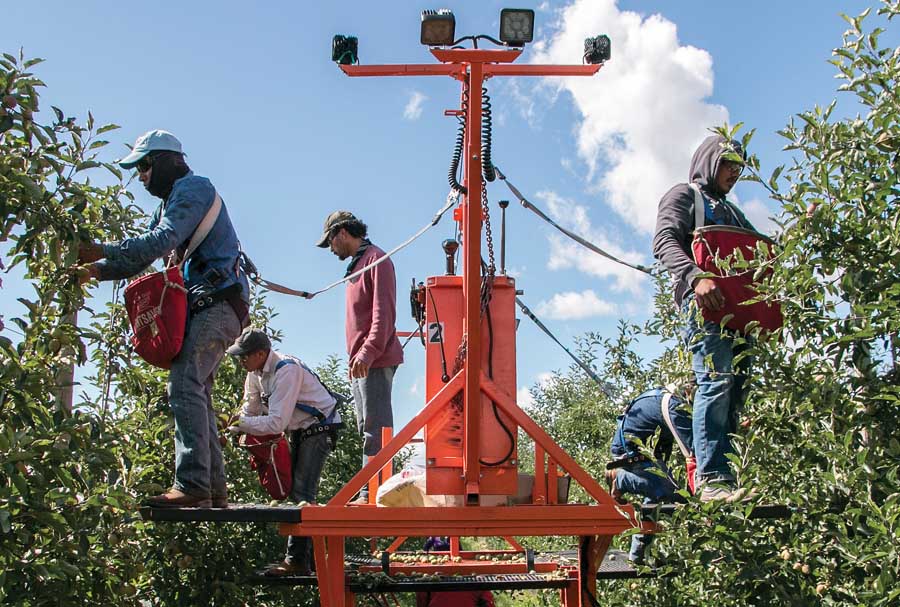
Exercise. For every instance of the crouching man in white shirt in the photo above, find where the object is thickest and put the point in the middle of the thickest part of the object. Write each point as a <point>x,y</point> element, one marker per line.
<point>281,394</point>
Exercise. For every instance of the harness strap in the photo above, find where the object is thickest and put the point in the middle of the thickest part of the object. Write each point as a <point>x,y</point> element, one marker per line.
<point>667,417</point>
<point>203,228</point>
<point>700,208</point>
<point>310,409</point>
<point>319,429</point>
<point>605,387</point>
<point>585,243</point>
<point>253,273</point>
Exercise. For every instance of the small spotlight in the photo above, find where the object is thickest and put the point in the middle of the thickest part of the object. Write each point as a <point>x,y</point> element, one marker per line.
<point>438,27</point>
<point>516,26</point>
<point>345,50</point>
<point>596,50</point>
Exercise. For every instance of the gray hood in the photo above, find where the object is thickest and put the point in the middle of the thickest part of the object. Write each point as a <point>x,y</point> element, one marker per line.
<point>705,163</point>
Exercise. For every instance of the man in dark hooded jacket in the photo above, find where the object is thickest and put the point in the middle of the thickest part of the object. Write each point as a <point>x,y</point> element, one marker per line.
<point>720,382</point>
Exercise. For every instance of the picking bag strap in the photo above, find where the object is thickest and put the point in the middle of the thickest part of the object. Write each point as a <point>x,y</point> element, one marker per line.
<point>667,417</point>
<point>699,207</point>
<point>202,231</point>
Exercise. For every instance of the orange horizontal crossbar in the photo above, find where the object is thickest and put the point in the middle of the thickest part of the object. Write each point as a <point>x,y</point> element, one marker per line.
<point>401,69</point>
<point>476,55</point>
<point>540,70</point>
<point>564,519</point>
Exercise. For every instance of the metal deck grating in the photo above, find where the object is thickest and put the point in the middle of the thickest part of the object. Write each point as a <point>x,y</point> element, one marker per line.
<point>261,513</point>
<point>614,566</point>
<point>760,511</point>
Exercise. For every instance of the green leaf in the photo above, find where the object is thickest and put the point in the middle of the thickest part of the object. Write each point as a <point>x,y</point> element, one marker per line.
<point>86,164</point>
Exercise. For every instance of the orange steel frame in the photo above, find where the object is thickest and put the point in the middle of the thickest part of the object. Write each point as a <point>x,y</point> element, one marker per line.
<point>330,524</point>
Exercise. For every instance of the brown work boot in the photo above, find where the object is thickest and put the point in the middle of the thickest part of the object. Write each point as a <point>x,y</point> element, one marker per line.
<point>177,499</point>
<point>610,476</point>
<point>220,501</point>
<point>285,569</point>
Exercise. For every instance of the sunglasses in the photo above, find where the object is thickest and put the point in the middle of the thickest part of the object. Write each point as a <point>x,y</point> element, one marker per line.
<point>734,167</point>
<point>334,232</point>
<point>144,164</point>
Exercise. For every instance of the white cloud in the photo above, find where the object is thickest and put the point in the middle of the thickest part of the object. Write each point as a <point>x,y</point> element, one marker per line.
<point>575,306</point>
<point>566,253</point>
<point>760,216</point>
<point>644,113</point>
<point>415,389</point>
<point>413,109</point>
<point>524,398</point>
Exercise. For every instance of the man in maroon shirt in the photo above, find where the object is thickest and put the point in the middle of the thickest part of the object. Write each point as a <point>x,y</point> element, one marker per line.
<point>372,344</point>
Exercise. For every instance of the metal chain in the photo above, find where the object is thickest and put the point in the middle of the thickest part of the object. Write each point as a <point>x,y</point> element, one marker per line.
<point>487,231</point>
<point>487,284</point>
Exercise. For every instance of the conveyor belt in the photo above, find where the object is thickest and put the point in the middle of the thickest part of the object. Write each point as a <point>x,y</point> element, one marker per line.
<point>615,566</point>
<point>235,513</point>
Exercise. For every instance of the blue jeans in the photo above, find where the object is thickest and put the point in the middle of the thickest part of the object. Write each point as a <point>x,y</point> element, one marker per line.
<point>309,457</point>
<point>719,396</point>
<point>656,486</point>
<point>199,467</point>
<point>372,399</point>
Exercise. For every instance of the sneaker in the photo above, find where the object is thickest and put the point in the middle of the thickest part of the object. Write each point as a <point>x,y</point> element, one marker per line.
<point>718,493</point>
<point>729,494</point>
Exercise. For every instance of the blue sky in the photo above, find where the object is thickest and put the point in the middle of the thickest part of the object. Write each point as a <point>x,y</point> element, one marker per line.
<point>287,138</point>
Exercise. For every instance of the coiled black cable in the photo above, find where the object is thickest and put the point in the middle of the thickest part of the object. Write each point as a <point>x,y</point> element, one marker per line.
<point>440,335</point>
<point>458,147</point>
<point>487,167</point>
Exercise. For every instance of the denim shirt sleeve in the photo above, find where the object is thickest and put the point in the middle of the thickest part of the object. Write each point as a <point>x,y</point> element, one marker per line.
<point>172,224</point>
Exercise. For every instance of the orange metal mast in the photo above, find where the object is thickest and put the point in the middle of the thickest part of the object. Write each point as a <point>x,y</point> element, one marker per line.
<point>330,524</point>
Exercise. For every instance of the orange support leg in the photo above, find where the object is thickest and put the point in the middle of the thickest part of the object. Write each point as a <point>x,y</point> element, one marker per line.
<point>593,549</point>
<point>322,572</point>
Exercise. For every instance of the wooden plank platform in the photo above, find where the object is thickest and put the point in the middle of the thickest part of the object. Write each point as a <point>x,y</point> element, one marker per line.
<point>760,511</point>
<point>235,513</point>
<point>615,566</point>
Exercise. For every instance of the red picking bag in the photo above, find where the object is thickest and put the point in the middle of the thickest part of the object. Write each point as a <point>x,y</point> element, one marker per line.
<point>157,304</point>
<point>712,242</point>
<point>270,456</point>
<point>157,308</point>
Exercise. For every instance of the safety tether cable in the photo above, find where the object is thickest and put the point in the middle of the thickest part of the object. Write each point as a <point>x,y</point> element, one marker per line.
<point>253,273</point>
<point>585,243</point>
<point>604,386</point>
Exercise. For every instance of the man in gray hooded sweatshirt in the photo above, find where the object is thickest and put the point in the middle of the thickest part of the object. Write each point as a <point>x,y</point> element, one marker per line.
<point>720,382</point>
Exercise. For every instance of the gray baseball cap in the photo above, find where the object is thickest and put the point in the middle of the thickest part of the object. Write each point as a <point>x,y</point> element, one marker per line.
<point>250,341</point>
<point>335,220</point>
<point>150,142</point>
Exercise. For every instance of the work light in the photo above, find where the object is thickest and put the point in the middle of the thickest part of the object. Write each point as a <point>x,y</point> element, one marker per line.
<point>597,49</point>
<point>438,27</point>
<point>516,26</point>
<point>344,50</point>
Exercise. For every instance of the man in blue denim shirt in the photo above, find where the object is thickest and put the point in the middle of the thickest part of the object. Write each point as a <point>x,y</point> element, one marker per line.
<point>631,471</point>
<point>217,295</point>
